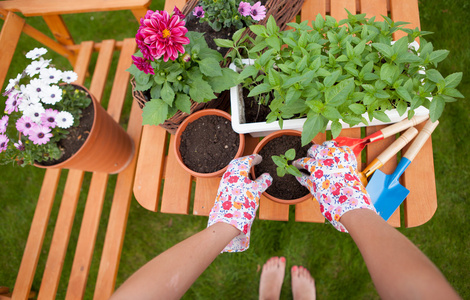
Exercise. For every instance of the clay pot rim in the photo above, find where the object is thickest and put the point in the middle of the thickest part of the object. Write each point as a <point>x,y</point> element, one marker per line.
<point>183,126</point>
<point>258,148</point>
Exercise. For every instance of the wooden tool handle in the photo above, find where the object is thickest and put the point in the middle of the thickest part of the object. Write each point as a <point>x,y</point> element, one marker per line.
<point>421,139</point>
<point>396,146</point>
<point>400,126</point>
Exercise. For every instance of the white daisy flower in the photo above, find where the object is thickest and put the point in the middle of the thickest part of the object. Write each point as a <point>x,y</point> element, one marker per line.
<point>36,52</point>
<point>69,76</point>
<point>52,94</point>
<point>36,66</point>
<point>50,75</point>
<point>64,119</point>
<point>12,83</point>
<point>36,88</point>
<point>34,112</point>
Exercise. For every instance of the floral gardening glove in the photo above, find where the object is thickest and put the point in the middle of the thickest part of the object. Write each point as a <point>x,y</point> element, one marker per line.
<point>334,181</point>
<point>238,199</point>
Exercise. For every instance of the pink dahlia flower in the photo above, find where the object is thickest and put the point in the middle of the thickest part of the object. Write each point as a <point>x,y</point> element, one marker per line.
<point>177,12</point>
<point>164,35</point>
<point>143,65</point>
<point>258,11</point>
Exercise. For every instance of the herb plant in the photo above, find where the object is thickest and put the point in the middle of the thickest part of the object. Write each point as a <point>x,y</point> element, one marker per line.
<point>39,112</point>
<point>229,13</point>
<point>189,70</point>
<point>282,162</point>
<point>344,70</point>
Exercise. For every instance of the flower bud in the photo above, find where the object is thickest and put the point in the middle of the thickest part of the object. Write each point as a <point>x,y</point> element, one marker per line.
<point>162,73</point>
<point>179,77</point>
<point>186,57</point>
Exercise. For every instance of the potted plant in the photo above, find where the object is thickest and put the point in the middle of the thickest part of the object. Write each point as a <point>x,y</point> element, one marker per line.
<point>205,143</point>
<point>54,125</point>
<point>334,73</point>
<point>175,72</point>
<point>278,149</point>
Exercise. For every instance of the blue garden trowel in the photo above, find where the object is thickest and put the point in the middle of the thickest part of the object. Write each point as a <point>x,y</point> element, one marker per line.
<point>385,191</point>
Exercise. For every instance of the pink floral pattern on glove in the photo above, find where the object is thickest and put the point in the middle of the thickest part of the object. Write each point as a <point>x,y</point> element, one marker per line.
<point>334,181</point>
<point>238,199</point>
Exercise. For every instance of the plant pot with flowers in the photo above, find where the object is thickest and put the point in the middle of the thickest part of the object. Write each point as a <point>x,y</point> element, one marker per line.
<point>278,150</point>
<point>337,73</point>
<point>54,125</point>
<point>205,143</point>
<point>175,72</point>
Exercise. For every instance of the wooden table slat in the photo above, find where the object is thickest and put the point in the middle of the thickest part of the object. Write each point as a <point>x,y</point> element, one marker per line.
<point>204,196</point>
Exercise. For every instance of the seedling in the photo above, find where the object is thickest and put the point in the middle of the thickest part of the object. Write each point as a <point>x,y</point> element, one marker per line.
<point>282,162</point>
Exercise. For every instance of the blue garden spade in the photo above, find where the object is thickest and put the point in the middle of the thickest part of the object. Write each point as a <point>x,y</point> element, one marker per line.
<point>385,191</point>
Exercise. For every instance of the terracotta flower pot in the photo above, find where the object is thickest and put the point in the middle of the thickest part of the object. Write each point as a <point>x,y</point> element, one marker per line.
<point>260,146</point>
<point>108,148</point>
<point>183,126</point>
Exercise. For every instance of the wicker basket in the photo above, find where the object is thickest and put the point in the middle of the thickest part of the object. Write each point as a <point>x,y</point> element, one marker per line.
<point>222,102</point>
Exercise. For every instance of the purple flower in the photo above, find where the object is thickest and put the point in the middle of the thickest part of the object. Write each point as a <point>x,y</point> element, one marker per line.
<point>164,35</point>
<point>258,11</point>
<point>143,65</point>
<point>48,118</point>
<point>198,12</point>
<point>40,135</point>
<point>177,12</point>
<point>19,145</point>
<point>25,125</point>
<point>244,8</point>
<point>3,124</point>
<point>12,103</point>
<point>3,142</point>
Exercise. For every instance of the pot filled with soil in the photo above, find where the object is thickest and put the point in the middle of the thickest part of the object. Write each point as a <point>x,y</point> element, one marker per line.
<point>205,143</point>
<point>286,189</point>
<point>97,144</point>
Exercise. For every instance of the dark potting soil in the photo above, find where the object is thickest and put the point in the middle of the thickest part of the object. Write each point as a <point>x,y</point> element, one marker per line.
<point>209,144</point>
<point>254,112</point>
<point>76,138</point>
<point>287,187</point>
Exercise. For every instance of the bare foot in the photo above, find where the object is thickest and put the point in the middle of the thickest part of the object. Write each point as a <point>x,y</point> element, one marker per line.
<point>272,277</point>
<point>303,284</point>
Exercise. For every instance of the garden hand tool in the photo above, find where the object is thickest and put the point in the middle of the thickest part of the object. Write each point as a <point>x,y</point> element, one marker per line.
<point>358,144</point>
<point>237,200</point>
<point>386,191</point>
<point>393,149</point>
<point>333,181</point>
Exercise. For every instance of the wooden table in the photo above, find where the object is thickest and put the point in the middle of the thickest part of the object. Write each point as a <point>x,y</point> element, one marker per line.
<point>162,185</point>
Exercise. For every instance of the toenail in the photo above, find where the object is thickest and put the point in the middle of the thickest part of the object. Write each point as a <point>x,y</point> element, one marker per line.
<point>283,259</point>
<point>294,268</point>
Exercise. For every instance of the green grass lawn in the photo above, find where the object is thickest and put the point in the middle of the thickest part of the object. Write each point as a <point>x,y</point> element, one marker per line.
<point>332,257</point>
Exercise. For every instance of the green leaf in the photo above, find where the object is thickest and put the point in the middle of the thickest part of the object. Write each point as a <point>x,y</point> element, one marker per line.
<point>452,93</point>
<point>260,89</point>
<point>259,46</point>
<point>154,112</point>
<point>336,128</point>
<point>258,29</point>
<point>453,80</point>
<point>319,22</point>
<point>436,108</point>
<point>281,171</point>
<point>210,67</point>
<point>389,73</point>
<point>293,171</point>
<point>434,75</point>
<point>201,91</point>
<point>381,116</point>
<point>274,77</point>
<point>278,160</point>
<point>331,79</point>
<point>224,43</point>
<point>290,154</point>
<point>271,26</point>
<point>401,107</point>
<point>403,93</point>
<point>357,108</point>
<point>266,57</point>
<point>438,56</point>
<point>274,42</point>
<point>183,103</point>
<point>386,50</point>
<point>408,58</point>
<point>331,113</point>
<point>237,35</point>
<point>312,126</point>
<point>228,79</point>
<point>248,71</point>
<point>167,93</point>
<point>337,94</point>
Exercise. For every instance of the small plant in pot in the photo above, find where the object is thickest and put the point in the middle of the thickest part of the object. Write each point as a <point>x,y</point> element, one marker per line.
<point>205,143</point>
<point>278,150</point>
<point>348,72</point>
<point>175,68</point>
<point>59,125</point>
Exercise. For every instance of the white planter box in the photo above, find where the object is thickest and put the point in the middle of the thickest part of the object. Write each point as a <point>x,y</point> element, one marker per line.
<point>259,129</point>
